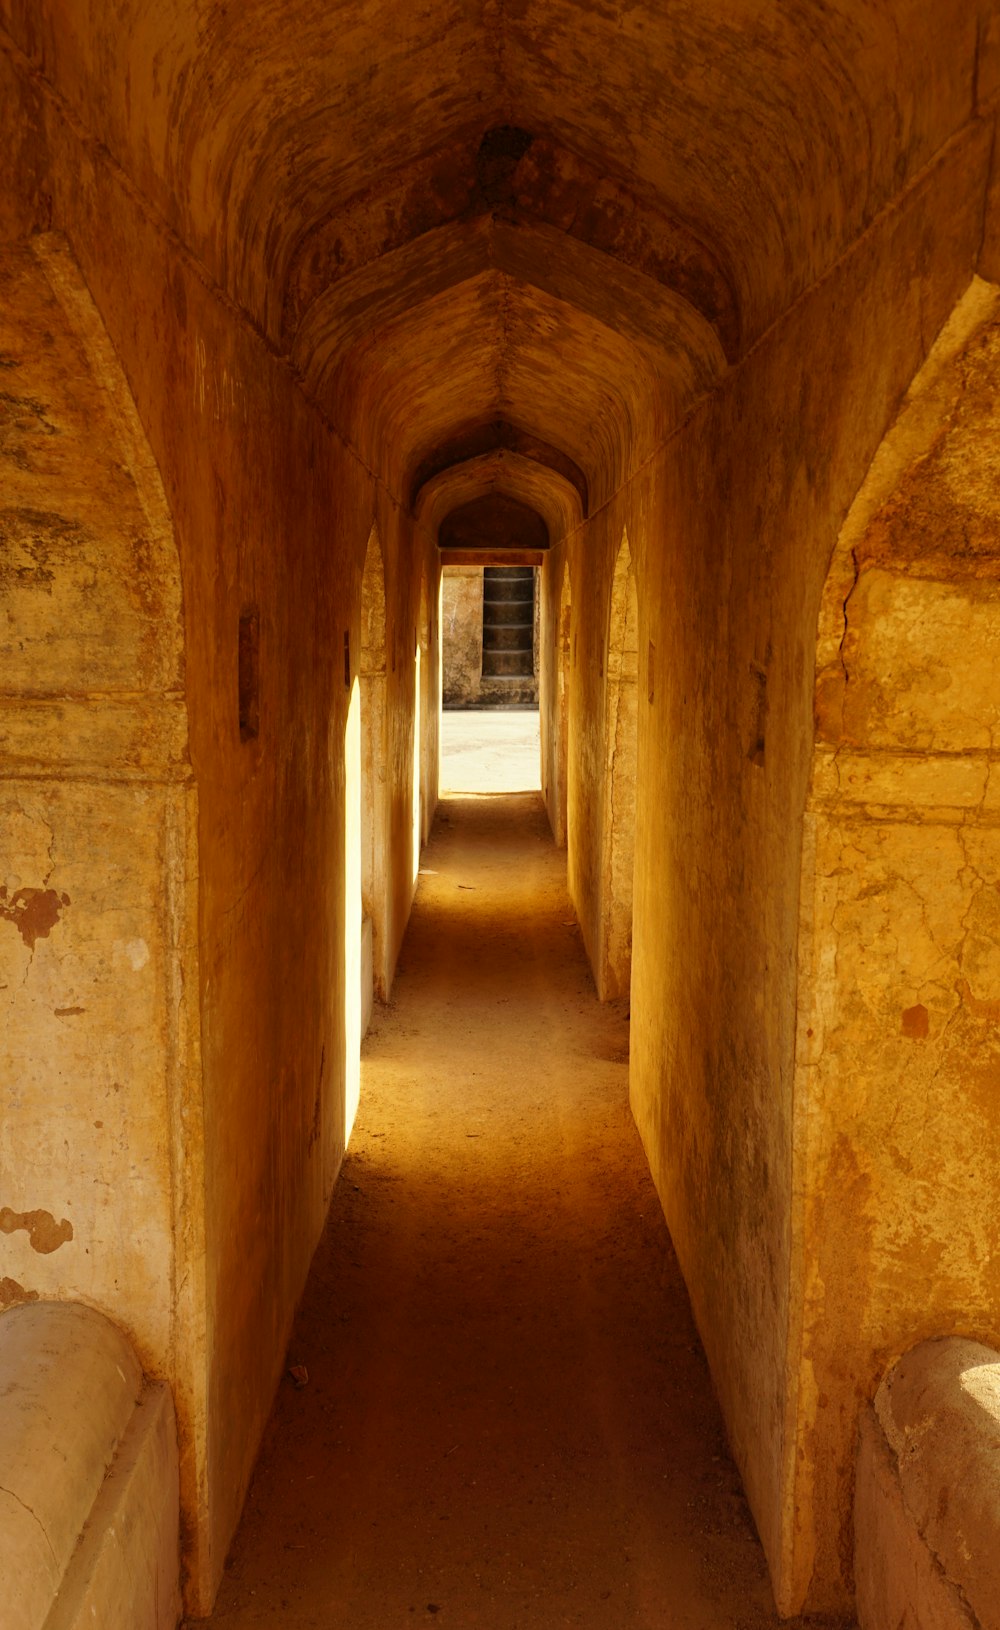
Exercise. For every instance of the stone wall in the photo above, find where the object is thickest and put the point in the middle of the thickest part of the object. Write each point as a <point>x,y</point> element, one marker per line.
<point>461,634</point>
<point>732,527</point>
<point>195,1189</point>
<point>898,1154</point>
<point>101,1138</point>
<point>332,274</point>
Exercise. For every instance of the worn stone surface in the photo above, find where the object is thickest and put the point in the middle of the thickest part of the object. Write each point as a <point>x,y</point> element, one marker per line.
<point>125,1570</point>
<point>939,1408</point>
<point>618,782</point>
<point>730,560</point>
<point>204,1271</point>
<point>896,1153</point>
<point>360,266</point>
<point>461,634</point>
<point>69,1383</point>
<point>88,1477</point>
<point>928,1495</point>
<point>100,1194</point>
<point>463,683</point>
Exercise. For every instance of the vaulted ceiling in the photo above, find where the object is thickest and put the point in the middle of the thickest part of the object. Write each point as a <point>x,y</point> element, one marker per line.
<point>552,223</point>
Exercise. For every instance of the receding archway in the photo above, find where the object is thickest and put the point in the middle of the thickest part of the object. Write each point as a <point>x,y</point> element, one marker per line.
<point>621,717</point>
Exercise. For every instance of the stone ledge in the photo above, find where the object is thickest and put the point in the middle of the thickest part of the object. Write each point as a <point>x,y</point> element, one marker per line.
<point>927,1502</point>
<point>88,1477</point>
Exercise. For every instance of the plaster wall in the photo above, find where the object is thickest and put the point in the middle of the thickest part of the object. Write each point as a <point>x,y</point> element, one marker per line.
<point>619,780</point>
<point>897,1148</point>
<point>271,514</point>
<point>732,528</point>
<point>425,727</point>
<point>227,158</point>
<point>101,1184</point>
<point>375,870</point>
<point>462,634</point>
<point>553,687</point>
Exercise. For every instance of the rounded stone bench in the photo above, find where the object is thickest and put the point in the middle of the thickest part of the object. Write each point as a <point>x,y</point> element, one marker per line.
<point>927,1503</point>
<point>88,1477</point>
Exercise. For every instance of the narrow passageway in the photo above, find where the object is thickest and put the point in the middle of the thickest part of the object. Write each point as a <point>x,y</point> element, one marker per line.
<point>508,1421</point>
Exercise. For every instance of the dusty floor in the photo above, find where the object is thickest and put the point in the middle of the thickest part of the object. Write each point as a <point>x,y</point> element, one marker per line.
<point>508,1422</point>
<point>490,750</point>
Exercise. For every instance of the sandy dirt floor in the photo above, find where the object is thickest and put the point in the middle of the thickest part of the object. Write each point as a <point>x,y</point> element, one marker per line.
<point>508,1422</point>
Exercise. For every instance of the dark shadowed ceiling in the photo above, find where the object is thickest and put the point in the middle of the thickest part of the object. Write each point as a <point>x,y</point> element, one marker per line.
<point>563,218</point>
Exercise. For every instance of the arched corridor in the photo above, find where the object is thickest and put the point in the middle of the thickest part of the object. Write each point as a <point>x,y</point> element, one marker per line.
<point>508,1417</point>
<point>689,316</point>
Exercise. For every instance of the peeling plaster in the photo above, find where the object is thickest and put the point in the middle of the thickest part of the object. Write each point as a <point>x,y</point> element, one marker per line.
<point>45,1235</point>
<point>34,912</point>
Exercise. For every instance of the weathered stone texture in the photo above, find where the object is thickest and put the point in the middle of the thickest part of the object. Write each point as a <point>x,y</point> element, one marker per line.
<point>928,1492</point>
<point>96,835</point>
<point>730,565</point>
<point>461,634</point>
<point>898,1054</point>
<point>898,1578</point>
<point>88,1477</point>
<point>463,683</point>
<point>346,295</point>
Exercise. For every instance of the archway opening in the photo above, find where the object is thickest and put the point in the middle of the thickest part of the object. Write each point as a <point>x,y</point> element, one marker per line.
<point>489,689</point>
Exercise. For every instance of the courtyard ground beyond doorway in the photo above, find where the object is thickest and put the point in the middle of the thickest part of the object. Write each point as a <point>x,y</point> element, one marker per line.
<point>485,750</point>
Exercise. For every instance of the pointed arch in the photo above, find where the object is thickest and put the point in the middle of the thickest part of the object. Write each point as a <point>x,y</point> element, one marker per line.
<point>621,722</point>
<point>898,955</point>
<point>99,815</point>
